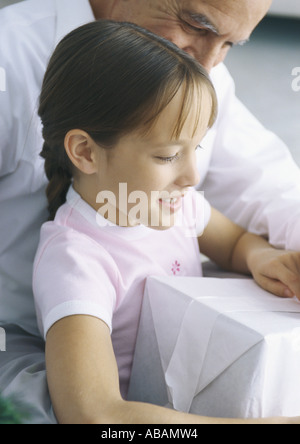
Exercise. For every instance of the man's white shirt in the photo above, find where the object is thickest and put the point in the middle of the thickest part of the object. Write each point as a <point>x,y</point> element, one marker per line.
<point>246,171</point>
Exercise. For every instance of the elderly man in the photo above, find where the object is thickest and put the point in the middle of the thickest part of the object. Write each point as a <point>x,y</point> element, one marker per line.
<point>246,172</point>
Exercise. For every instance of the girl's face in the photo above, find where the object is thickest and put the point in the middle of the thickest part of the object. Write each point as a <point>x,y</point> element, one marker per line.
<point>147,176</point>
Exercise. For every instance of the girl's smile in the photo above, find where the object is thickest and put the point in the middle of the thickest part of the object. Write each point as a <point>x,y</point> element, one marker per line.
<point>173,204</point>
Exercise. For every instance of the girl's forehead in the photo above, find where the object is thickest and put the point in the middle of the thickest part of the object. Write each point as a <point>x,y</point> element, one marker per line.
<point>183,118</point>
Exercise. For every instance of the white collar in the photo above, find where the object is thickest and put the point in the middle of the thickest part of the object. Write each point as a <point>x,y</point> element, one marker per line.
<point>70,14</point>
<point>98,221</point>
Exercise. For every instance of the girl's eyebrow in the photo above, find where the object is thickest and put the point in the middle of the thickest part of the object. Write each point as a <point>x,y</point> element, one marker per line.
<point>179,143</point>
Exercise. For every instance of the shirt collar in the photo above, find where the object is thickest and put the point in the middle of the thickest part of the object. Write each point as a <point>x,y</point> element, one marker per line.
<point>98,221</point>
<point>70,14</point>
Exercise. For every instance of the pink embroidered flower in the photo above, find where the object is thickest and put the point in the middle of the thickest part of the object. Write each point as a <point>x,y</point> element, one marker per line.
<point>176,268</point>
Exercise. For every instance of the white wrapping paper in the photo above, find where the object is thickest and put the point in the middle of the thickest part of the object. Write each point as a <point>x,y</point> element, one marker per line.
<point>218,347</point>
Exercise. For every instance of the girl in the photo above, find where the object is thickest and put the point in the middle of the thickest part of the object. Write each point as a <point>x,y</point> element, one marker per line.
<point>123,112</point>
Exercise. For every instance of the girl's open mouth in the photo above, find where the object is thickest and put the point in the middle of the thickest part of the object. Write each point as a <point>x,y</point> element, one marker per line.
<point>173,203</point>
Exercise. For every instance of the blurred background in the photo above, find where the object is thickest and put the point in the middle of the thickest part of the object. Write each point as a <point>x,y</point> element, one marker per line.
<point>262,70</point>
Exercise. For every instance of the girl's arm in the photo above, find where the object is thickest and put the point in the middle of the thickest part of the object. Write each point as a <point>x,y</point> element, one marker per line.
<point>84,385</point>
<point>234,249</point>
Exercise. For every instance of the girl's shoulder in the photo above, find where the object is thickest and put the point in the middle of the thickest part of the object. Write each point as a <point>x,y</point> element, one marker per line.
<point>62,247</point>
<point>72,275</point>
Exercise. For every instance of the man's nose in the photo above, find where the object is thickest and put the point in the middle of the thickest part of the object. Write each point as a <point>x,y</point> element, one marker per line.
<point>207,52</point>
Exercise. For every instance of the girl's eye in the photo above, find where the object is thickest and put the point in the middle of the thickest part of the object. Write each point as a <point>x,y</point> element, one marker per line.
<point>168,159</point>
<point>172,159</point>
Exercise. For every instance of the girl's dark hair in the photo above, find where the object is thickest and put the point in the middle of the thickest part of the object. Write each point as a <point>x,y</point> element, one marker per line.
<point>109,78</point>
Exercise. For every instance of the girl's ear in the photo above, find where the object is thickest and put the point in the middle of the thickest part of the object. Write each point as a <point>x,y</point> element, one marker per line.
<point>80,149</point>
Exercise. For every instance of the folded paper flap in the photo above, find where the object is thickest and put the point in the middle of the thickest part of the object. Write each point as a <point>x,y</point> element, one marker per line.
<point>167,327</point>
<point>188,355</point>
<point>193,351</point>
<point>228,342</point>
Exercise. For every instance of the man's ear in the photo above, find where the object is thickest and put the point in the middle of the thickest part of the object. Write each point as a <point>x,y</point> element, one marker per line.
<point>80,149</point>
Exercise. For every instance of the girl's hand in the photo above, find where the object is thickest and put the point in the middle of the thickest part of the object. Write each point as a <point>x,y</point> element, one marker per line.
<point>277,271</point>
<point>234,249</point>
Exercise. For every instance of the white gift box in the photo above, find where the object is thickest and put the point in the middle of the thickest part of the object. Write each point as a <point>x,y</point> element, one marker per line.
<point>217,347</point>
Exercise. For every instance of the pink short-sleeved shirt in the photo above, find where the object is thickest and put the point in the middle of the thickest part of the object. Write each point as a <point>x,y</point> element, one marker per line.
<point>87,266</point>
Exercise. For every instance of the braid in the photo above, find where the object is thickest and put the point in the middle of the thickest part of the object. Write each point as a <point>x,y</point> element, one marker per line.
<point>59,174</point>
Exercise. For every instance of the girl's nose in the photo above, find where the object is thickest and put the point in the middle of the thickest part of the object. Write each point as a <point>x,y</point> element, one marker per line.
<point>189,175</point>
